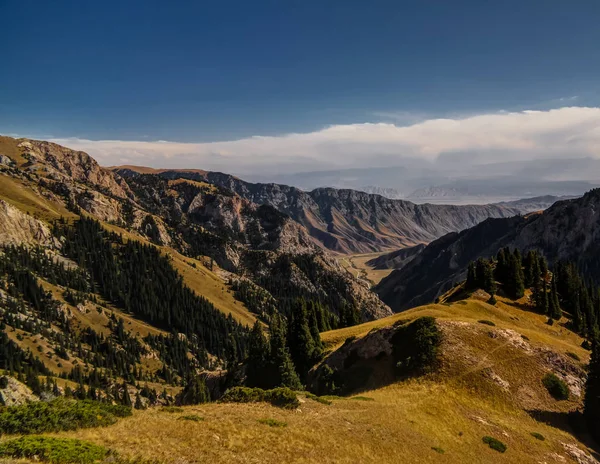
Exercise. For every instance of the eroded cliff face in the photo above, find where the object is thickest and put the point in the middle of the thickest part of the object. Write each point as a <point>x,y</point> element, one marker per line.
<point>18,228</point>
<point>349,221</point>
<point>61,163</point>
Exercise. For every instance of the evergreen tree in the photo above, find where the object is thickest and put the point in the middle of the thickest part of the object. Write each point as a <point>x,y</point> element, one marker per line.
<point>194,392</point>
<point>592,390</point>
<point>303,349</point>
<point>471,282</point>
<point>257,364</point>
<point>553,303</point>
<point>282,367</point>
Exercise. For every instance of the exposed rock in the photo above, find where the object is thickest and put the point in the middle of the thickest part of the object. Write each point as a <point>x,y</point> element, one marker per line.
<point>582,457</point>
<point>14,393</point>
<point>18,228</point>
<point>6,161</point>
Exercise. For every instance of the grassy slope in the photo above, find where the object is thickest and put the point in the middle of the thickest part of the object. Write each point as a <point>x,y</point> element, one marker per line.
<point>401,423</point>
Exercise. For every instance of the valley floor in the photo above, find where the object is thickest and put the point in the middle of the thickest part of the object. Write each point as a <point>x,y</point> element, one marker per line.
<point>358,267</point>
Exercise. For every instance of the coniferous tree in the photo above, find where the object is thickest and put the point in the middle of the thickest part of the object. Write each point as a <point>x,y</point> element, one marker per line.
<point>194,392</point>
<point>592,389</point>
<point>471,282</point>
<point>303,349</point>
<point>553,303</point>
<point>257,364</point>
<point>282,367</point>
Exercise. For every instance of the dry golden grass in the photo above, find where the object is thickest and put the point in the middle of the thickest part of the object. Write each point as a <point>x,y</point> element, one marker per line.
<point>506,314</point>
<point>9,147</point>
<point>20,195</point>
<point>403,423</point>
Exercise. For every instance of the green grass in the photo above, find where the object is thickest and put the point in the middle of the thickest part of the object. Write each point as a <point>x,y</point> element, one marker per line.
<point>556,387</point>
<point>495,444</point>
<point>192,417</point>
<point>538,436</point>
<point>57,415</point>
<point>54,450</point>
<point>318,399</point>
<point>272,422</point>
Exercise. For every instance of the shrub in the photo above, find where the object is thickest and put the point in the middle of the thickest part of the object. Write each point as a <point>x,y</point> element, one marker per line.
<point>59,414</point>
<point>572,355</point>
<point>272,422</point>
<point>556,387</point>
<point>538,436</point>
<point>438,450</point>
<point>282,397</point>
<point>318,399</point>
<point>192,417</point>
<point>171,409</point>
<point>54,450</point>
<point>495,444</point>
<point>362,398</point>
<point>486,322</point>
<point>416,346</point>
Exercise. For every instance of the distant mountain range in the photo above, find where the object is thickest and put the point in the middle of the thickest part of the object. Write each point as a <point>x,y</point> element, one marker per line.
<point>349,221</point>
<point>568,230</point>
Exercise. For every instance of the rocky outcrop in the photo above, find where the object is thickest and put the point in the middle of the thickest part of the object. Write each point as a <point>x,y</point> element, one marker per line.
<point>61,163</point>
<point>14,393</point>
<point>18,228</point>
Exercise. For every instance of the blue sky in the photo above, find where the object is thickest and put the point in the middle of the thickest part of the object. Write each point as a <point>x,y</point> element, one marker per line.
<point>214,71</point>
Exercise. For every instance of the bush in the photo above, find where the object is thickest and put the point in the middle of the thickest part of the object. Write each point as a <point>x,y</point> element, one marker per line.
<point>486,322</point>
<point>362,398</point>
<point>272,422</point>
<point>318,399</point>
<point>556,387</point>
<point>495,444</point>
<point>416,346</point>
<point>572,355</point>
<point>538,436</point>
<point>192,417</point>
<point>281,397</point>
<point>438,450</point>
<point>59,414</point>
<point>54,450</point>
<point>171,409</point>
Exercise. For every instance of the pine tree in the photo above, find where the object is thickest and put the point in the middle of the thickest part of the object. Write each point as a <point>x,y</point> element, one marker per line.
<point>471,282</point>
<point>540,296</point>
<point>553,303</point>
<point>257,364</point>
<point>303,349</point>
<point>282,366</point>
<point>126,399</point>
<point>194,392</point>
<point>592,389</point>
<point>138,402</point>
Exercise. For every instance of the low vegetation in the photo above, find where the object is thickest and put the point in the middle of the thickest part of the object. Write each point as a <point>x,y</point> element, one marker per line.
<point>279,397</point>
<point>192,417</point>
<point>54,450</point>
<point>556,386</point>
<point>538,436</point>
<point>495,444</point>
<point>272,422</point>
<point>486,322</point>
<point>59,414</point>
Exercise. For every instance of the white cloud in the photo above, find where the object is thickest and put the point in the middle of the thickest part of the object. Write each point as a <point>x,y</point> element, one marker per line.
<point>488,138</point>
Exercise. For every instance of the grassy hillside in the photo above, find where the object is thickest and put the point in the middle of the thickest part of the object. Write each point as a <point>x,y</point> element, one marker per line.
<point>440,418</point>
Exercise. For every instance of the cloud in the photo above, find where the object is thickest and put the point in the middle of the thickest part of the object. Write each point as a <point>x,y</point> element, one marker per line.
<point>568,132</point>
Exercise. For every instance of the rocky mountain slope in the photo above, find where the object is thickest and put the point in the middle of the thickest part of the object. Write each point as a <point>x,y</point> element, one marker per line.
<point>349,221</point>
<point>568,230</point>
